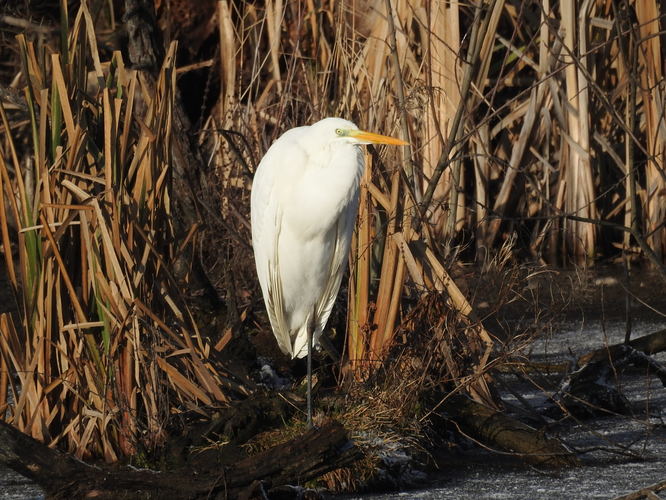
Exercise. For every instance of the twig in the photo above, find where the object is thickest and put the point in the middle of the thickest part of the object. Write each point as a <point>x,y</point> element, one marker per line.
<point>400,88</point>
<point>27,25</point>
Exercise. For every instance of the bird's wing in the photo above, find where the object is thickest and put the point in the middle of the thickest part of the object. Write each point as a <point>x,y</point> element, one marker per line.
<point>344,229</point>
<point>274,297</point>
<point>342,233</point>
<point>266,220</point>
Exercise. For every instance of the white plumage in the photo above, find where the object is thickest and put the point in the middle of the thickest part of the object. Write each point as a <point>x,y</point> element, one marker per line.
<point>303,208</point>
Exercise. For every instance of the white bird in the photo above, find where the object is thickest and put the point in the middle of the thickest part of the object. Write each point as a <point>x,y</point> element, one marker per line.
<point>303,208</point>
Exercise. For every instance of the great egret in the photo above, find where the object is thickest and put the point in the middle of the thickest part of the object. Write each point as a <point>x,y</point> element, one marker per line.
<point>303,208</point>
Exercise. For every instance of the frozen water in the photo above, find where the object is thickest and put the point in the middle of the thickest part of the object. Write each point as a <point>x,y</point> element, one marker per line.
<point>619,454</point>
<point>13,486</point>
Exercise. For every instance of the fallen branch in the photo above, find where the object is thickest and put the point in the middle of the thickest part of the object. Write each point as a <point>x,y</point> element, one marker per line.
<point>494,428</point>
<point>648,344</point>
<point>592,388</point>
<point>648,493</point>
<point>297,461</point>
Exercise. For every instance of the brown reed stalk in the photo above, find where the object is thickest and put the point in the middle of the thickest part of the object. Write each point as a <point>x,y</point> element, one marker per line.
<point>577,183</point>
<point>648,15</point>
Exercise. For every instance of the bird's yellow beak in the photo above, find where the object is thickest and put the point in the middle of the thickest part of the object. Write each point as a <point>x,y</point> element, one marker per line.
<point>376,138</point>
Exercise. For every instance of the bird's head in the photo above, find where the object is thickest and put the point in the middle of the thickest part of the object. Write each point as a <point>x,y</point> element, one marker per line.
<point>338,129</point>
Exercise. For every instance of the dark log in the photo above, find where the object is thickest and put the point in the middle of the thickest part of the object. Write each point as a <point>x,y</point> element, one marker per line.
<point>497,430</point>
<point>242,420</point>
<point>648,344</point>
<point>295,462</point>
<point>592,388</point>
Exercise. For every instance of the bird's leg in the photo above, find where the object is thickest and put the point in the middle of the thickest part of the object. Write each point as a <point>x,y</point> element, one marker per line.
<point>310,333</point>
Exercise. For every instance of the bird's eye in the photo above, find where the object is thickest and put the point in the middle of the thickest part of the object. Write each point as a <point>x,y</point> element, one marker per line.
<point>339,131</point>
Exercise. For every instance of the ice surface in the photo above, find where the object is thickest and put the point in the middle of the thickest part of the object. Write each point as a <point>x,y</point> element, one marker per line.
<point>620,454</point>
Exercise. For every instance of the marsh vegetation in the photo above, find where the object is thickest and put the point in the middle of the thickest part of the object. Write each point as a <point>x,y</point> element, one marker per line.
<point>134,330</point>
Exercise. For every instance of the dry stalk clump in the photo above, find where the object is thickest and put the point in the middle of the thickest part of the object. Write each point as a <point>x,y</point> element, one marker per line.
<point>382,421</point>
<point>388,414</point>
<point>102,347</point>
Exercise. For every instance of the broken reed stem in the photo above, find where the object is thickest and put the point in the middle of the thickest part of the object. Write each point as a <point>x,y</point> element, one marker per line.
<point>627,48</point>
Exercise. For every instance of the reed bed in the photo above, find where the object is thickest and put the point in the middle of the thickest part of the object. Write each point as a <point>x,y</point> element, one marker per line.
<point>102,348</point>
<point>534,123</point>
<point>536,130</point>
